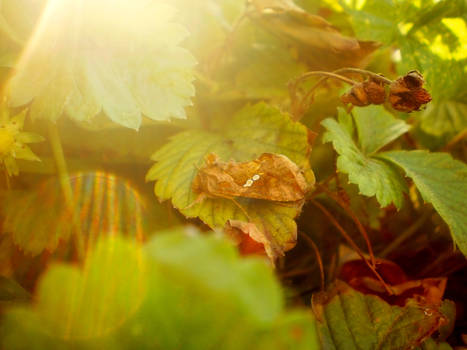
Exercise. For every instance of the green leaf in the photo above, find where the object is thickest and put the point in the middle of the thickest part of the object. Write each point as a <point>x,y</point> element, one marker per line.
<point>89,303</point>
<point>24,152</point>
<point>377,20</point>
<point>39,219</point>
<point>441,181</point>
<point>127,63</point>
<point>180,292</point>
<point>209,23</point>
<point>444,117</point>
<point>376,128</point>
<point>262,65</point>
<point>29,137</point>
<point>373,176</point>
<point>431,344</point>
<point>251,132</point>
<point>348,319</point>
<point>173,256</point>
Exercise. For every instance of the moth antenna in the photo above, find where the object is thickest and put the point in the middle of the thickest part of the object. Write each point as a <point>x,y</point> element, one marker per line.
<point>242,209</point>
<point>199,199</point>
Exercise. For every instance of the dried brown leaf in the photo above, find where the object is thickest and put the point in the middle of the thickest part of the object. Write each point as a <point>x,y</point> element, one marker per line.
<point>318,43</point>
<point>427,292</point>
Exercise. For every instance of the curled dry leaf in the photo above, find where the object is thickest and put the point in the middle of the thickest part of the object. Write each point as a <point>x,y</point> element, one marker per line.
<point>427,292</point>
<point>271,177</point>
<point>365,93</point>
<point>250,240</point>
<point>317,42</point>
<point>406,94</point>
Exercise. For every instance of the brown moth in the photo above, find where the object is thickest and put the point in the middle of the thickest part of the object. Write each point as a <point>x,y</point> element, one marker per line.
<point>271,177</point>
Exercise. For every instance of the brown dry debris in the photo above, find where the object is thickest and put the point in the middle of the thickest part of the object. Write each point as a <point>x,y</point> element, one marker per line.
<point>428,291</point>
<point>365,93</point>
<point>271,177</point>
<point>406,94</point>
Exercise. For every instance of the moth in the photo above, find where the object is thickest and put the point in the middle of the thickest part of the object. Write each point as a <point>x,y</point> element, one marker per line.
<point>272,177</point>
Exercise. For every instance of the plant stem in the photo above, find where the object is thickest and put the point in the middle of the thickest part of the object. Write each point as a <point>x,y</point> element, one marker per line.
<point>352,244</point>
<point>405,235</point>
<point>318,258</point>
<point>458,138</point>
<point>335,74</point>
<point>7,180</point>
<point>64,179</point>
<point>371,74</point>
<point>355,220</point>
<point>326,75</point>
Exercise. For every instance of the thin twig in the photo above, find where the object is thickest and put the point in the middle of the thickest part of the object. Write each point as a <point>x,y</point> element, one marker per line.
<point>352,244</point>
<point>309,96</point>
<point>326,75</point>
<point>7,180</point>
<point>405,235</point>
<point>354,218</point>
<point>458,138</point>
<point>215,58</point>
<point>64,179</point>
<point>318,258</point>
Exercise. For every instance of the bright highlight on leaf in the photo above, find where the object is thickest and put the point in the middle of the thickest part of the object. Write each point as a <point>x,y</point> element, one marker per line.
<point>252,131</point>
<point>122,57</point>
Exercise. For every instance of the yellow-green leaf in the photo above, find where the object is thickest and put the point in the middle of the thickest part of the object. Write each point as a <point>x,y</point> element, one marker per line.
<point>122,57</point>
<point>252,131</point>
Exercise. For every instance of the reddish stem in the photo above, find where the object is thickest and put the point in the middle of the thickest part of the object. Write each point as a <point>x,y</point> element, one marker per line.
<point>352,244</point>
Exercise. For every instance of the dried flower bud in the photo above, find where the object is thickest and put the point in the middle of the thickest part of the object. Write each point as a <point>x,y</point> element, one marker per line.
<point>365,93</point>
<point>406,94</point>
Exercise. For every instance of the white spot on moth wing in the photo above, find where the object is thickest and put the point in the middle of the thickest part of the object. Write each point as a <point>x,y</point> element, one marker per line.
<point>248,183</point>
<point>255,177</point>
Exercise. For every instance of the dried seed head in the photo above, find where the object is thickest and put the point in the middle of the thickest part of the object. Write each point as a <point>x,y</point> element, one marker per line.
<point>365,93</point>
<point>406,94</point>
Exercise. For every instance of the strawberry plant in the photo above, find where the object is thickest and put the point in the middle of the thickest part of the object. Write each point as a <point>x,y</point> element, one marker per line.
<point>230,174</point>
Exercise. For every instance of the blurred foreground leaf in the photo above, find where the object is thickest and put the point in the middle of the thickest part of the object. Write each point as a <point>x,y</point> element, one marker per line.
<point>81,304</point>
<point>180,292</point>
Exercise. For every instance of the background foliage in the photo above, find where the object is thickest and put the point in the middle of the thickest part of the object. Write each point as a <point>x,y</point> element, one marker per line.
<point>127,91</point>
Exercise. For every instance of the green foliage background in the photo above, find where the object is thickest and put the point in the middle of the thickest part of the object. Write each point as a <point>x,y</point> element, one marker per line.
<point>144,90</point>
